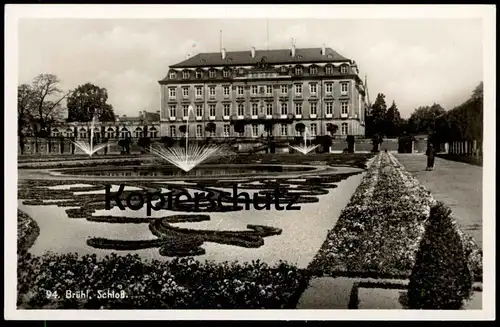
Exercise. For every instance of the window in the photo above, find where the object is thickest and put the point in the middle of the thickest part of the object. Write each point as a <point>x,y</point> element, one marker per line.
<point>171,93</point>
<point>240,90</point>
<point>212,110</point>
<point>329,108</point>
<point>211,90</point>
<point>284,89</point>
<point>172,131</point>
<point>83,133</point>
<point>241,71</point>
<point>313,88</point>
<point>269,108</point>
<point>199,91</point>
<point>344,88</point>
<point>199,131</point>
<point>283,69</point>
<point>284,108</point>
<point>109,133</point>
<point>298,89</point>
<point>185,74</point>
<point>125,133</point>
<point>344,108</point>
<point>255,130</point>
<point>345,129</point>
<point>314,70</point>
<point>298,70</point>
<point>284,129</point>
<point>227,109</point>
<point>241,109</point>
<point>298,108</point>
<point>173,75</point>
<point>254,89</point>
<point>211,74</point>
<point>153,133</point>
<point>185,92</point>
<point>185,110</point>
<point>199,74</point>
<point>226,130</point>
<point>343,69</point>
<point>226,73</point>
<point>255,109</point>
<point>138,132</point>
<point>329,70</point>
<point>314,129</point>
<point>172,111</point>
<point>55,132</point>
<point>269,89</point>
<point>314,108</point>
<point>329,88</point>
<point>199,110</point>
<point>226,90</point>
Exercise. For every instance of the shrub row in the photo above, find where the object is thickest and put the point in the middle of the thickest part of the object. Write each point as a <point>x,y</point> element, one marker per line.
<point>182,283</point>
<point>27,232</point>
<point>379,231</point>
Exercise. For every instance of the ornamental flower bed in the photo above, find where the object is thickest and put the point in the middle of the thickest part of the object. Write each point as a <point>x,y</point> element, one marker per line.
<point>379,232</point>
<point>181,283</point>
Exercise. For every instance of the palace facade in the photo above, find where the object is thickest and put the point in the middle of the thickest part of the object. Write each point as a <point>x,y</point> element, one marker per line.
<point>261,91</point>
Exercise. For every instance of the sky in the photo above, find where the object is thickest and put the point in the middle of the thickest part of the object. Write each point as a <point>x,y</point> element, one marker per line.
<point>414,62</point>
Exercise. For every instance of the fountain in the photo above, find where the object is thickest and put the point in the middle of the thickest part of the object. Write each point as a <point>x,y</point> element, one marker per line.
<point>89,148</point>
<point>304,148</point>
<point>188,157</point>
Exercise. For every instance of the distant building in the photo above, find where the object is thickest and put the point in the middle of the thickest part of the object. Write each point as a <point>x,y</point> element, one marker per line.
<point>147,124</point>
<point>313,86</point>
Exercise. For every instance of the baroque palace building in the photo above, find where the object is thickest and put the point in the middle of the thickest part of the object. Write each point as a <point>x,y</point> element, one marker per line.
<point>277,89</point>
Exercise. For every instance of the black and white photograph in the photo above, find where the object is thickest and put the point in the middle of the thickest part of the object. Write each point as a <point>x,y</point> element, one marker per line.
<point>280,158</point>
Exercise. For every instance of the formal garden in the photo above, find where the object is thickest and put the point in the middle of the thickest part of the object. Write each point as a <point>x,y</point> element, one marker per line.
<point>361,215</point>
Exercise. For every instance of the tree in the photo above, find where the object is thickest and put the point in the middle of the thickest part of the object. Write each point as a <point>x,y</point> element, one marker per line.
<point>392,121</point>
<point>45,100</point>
<point>210,128</point>
<point>477,94</point>
<point>423,119</point>
<point>269,127</point>
<point>300,127</point>
<point>375,123</point>
<point>332,128</point>
<point>86,100</point>
<point>239,127</point>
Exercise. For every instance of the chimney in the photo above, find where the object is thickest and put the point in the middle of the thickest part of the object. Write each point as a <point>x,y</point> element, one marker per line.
<point>293,50</point>
<point>253,52</point>
<point>323,50</point>
<point>223,53</point>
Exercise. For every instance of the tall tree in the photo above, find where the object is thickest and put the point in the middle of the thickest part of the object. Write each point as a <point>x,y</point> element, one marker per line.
<point>392,121</point>
<point>46,100</point>
<point>423,119</point>
<point>86,100</point>
<point>24,107</point>
<point>375,123</point>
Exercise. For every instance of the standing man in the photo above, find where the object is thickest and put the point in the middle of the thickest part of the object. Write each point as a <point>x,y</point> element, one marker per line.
<point>430,153</point>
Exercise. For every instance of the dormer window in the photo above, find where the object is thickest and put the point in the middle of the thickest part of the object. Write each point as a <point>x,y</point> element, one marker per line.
<point>226,73</point>
<point>241,71</point>
<point>329,70</point>
<point>199,74</point>
<point>172,75</point>
<point>185,74</point>
<point>298,70</point>
<point>211,74</point>
<point>283,69</point>
<point>344,69</point>
<point>313,70</point>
